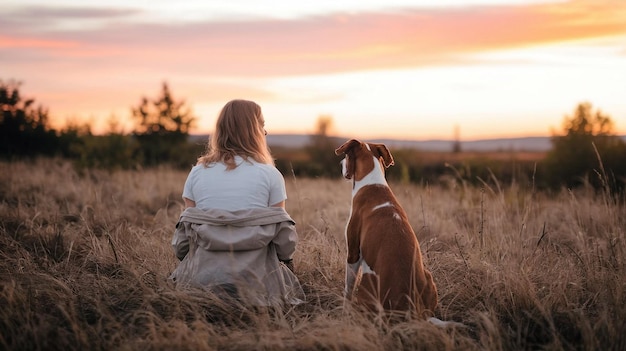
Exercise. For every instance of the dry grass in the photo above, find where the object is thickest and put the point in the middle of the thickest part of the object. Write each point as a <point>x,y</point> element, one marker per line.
<point>84,261</point>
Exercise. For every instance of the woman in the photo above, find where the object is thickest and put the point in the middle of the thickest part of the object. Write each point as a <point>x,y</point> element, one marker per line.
<point>234,235</point>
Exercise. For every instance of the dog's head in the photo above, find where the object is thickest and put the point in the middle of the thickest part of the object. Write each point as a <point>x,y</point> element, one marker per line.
<point>360,158</point>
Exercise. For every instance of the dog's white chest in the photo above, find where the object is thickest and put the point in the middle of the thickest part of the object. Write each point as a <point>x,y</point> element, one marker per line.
<point>376,176</point>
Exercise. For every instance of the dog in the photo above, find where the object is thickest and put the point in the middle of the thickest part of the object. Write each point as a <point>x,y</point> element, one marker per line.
<point>383,249</point>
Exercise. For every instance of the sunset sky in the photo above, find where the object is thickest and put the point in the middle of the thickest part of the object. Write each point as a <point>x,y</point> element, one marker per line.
<point>384,68</point>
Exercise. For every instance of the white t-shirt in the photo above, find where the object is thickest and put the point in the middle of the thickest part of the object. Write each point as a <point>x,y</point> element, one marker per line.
<point>251,184</point>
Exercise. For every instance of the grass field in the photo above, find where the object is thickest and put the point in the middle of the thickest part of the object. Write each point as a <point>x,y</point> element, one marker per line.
<point>85,257</point>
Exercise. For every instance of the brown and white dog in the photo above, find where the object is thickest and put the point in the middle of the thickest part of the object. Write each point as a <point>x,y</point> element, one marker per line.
<point>382,246</point>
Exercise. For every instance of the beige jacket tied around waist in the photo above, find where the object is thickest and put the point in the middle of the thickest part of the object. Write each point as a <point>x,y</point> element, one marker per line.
<point>240,248</point>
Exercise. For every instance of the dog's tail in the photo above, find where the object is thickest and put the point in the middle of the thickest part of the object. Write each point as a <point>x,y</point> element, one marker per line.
<point>445,324</point>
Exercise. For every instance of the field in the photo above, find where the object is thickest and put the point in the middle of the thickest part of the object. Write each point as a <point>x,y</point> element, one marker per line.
<point>85,258</point>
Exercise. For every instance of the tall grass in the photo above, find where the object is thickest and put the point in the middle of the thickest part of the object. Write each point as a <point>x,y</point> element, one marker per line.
<point>85,257</point>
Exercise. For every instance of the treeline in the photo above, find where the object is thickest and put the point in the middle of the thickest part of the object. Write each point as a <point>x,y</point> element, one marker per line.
<point>588,153</point>
<point>160,137</point>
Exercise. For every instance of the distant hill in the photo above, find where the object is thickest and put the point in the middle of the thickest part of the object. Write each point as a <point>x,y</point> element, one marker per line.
<point>535,144</point>
<point>532,144</point>
<point>513,144</point>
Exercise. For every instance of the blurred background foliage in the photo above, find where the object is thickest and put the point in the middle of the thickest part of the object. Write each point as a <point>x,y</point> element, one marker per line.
<point>586,152</point>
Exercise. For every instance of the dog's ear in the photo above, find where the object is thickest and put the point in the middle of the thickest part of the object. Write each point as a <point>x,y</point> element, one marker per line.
<point>346,147</point>
<point>349,160</point>
<point>381,152</point>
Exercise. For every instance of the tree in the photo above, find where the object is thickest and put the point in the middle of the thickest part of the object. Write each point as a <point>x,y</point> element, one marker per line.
<point>24,128</point>
<point>456,145</point>
<point>163,127</point>
<point>322,149</point>
<point>589,152</point>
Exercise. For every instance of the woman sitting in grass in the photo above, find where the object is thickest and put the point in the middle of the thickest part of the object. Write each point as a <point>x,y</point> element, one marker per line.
<point>235,237</point>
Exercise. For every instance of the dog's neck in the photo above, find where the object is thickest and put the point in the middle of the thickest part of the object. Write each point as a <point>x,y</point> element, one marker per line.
<point>376,176</point>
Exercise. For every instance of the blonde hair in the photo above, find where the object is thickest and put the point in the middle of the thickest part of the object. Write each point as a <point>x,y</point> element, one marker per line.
<point>239,131</point>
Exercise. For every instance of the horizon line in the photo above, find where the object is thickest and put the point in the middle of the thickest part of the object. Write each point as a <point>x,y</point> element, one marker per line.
<point>413,139</point>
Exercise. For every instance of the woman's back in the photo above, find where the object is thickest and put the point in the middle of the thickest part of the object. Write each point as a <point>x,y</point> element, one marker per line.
<point>219,246</point>
<point>249,185</point>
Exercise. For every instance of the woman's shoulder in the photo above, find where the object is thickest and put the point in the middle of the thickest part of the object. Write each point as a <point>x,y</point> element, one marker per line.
<point>200,170</point>
<point>267,168</point>
<point>197,168</point>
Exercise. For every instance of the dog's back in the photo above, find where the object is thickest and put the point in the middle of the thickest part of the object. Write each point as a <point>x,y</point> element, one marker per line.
<point>389,246</point>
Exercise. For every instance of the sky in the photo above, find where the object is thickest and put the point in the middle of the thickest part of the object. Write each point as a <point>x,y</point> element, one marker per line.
<point>419,70</point>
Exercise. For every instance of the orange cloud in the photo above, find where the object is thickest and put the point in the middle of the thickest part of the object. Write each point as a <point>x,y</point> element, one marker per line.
<point>428,37</point>
<point>7,42</point>
<point>391,40</point>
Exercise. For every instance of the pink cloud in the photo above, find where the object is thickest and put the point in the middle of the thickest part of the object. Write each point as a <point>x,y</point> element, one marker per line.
<point>333,43</point>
